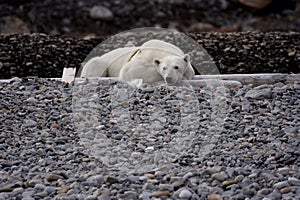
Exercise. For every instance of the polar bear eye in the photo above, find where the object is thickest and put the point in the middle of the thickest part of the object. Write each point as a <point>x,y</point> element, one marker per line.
<point>176,67</point>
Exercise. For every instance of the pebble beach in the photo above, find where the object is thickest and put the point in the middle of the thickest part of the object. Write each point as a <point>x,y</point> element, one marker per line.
<point>251,153</point>
<point>231,133</point>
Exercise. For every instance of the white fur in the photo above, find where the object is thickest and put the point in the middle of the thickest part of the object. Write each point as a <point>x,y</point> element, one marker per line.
<point>154,61</point>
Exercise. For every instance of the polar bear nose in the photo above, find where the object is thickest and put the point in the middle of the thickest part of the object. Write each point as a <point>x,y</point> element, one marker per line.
<point>169,79</point>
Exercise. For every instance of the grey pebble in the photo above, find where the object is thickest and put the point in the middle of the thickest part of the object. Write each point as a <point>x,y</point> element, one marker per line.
<point>264,192</point>
<point>39,187</point>
<point>185,194</point>
<point>100,12</point>
<point>275,195</point>
<point>293,181</point>
<point>259,93</point>
<point>251,157</point>
<point>99,179</point>
<point>280,185</point>
<point>30,123</point>
<point>222,176</point>
<point>168,187</point>
<point>104,197</point>
<point>129,195</point>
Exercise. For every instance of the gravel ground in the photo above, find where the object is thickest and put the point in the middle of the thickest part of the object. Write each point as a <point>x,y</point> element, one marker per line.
<point>245,141</point>
<point>45,56</point>
<point>106,17</point>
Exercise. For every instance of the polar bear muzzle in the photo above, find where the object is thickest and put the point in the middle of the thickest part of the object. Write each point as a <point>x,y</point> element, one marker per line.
<point>172,68</point>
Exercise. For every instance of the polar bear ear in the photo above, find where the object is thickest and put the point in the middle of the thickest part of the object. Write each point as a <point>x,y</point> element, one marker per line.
<point>186,57</point>
<point>189,71</point>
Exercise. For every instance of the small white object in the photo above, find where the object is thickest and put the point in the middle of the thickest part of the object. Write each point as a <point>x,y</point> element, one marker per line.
<point>68,75</point>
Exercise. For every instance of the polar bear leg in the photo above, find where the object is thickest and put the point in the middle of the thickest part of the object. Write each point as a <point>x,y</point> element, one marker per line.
<point>137,70</point>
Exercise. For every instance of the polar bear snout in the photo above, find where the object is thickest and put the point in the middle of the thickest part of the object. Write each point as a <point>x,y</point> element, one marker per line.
<point>169,80</point>
<point>171,68</point>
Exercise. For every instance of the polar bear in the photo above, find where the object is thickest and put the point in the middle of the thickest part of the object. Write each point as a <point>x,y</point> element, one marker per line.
<point>154,61</point>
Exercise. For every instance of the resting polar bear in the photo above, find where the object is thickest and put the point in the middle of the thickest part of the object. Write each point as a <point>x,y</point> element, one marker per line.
<point>154,61</point>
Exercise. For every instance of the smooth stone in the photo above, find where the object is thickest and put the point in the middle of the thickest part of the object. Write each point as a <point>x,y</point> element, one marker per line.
<point>160,193</point>
<point>97,178</point>
<point>148,186</point>
<point>129,195</point>
<point>225,184</point>
<point>280,185</point>
<point>263,192</point>
<point>6,190</point>
<point>285,190</point>
<point>30,123</point>
<point>133,179</point>
<point>176,178</point>
<point>293,181</point>
<point>214,197</point>
<point>100,12</point>
<point>259,94</point>
<point>178,184</point>
<point>104,197</point>
<point>185,194</point>
<point>275,195</point>
<point>150,176</point>
<point>17,191</point>
<point>168,187</point>
<point>41,194</point>
<point>248,191</point>
<point>188,175</point>
<point>111,180</point>
<point>91,197</point>
<point>53,177</point>
<point>222,176</point>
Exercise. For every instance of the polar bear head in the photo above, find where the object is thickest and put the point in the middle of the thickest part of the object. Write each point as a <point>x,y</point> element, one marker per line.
<point>174,69</point>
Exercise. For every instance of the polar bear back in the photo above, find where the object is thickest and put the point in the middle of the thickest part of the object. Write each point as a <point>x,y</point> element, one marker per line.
<point>159,45</point>
<point>108,64</point>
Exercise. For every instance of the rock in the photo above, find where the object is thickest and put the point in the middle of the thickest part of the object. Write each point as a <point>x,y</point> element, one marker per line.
<point>99,179</point>
<point>40,187</point>
<point>178,184</point>
<point>259,94</point>
<point>129,195</point>
<point>280,185</point>
<point>150,176</point>
<point>225,184</point>
<point>214,197</point>
<point>285,190</point>
<point>148,186</point>
<point>91,197</point>
<point>12,24</point>
<point>293,181</point>
<point>257,4</point>
<point>188,175</point>
<point>30,123</point>
<point>166,187</point>
<point>100,12</point>
<point>200,27</point>
<point>111,180</point>
<point>53,177</point>
<point>104,197</point>
<point>263,192</point>
<point>222,176</point>
<point>160,193</point>
<point>185,194</point>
